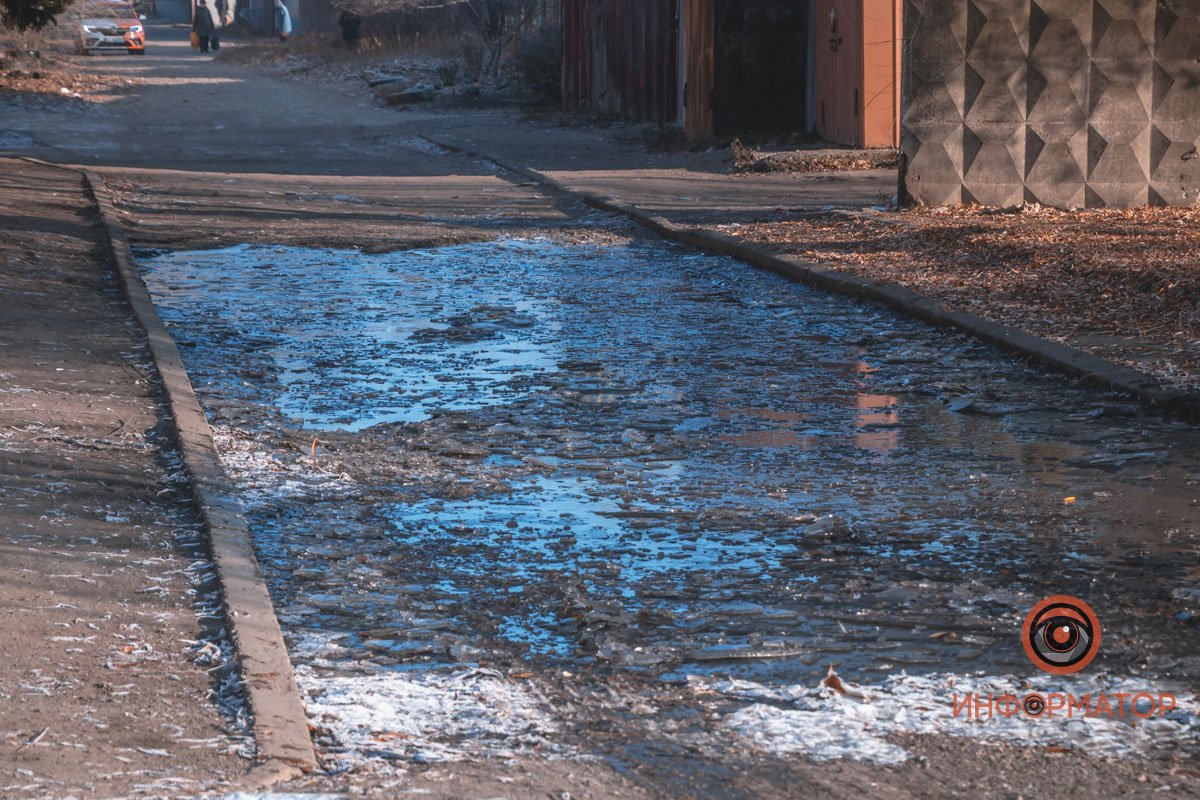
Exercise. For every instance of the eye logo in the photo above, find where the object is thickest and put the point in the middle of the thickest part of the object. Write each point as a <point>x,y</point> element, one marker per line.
<point>1061,634</point>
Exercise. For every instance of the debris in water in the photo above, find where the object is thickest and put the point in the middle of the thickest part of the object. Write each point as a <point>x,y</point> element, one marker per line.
<point>832,681</point>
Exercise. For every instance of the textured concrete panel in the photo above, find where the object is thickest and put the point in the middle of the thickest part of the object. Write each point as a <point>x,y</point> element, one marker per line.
<point>1066,103</point>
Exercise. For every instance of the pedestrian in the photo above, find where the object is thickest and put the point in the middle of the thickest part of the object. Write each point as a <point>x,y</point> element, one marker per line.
<point>283,21</point>
<point>223,16</point>
<point>202,25</point>
<point>214,41</point>
<point>351,24</point>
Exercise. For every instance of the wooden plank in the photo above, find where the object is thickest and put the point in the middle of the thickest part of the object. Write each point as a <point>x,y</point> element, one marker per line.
<point>700,35</point>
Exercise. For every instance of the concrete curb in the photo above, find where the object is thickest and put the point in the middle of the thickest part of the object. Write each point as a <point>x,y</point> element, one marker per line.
<point>1064,358</point>
<point>280,726</point>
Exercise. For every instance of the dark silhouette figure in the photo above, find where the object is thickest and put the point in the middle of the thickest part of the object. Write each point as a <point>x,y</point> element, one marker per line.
<point>202,25</point>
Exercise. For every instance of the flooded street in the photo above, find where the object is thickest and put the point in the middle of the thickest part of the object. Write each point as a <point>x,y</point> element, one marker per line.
<point>483,477</point>
<point>547,506</point>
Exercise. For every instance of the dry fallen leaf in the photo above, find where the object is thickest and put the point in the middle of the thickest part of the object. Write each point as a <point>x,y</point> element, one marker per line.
<point>834,682</point>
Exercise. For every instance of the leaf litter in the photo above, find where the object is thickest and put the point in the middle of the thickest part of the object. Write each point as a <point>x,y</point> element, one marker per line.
<point>1122,284</point>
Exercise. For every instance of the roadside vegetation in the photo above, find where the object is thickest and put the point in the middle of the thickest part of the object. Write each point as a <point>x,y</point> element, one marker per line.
<point>30,15</point>
<point>422,51</point>
<point>36,66</point>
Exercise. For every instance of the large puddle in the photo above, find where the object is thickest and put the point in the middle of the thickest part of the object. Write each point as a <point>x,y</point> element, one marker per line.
<point>538,456</point>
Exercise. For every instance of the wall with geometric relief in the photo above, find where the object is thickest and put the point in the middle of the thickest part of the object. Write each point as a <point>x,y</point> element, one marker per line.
<point>1067,103</point>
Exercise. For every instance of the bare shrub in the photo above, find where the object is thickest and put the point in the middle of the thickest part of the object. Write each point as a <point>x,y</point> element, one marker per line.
<point>488,30</point>
<point>24,16</point>
<point>448,73</point>
<point>539,59</point>
<point>472,55</point>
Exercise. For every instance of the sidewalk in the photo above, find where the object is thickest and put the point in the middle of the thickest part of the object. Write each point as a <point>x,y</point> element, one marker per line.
<point>686,188</point>
<point>101,691</point>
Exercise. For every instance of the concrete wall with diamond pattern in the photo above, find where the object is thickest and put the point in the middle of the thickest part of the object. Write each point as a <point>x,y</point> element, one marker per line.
<point>1067,103</point>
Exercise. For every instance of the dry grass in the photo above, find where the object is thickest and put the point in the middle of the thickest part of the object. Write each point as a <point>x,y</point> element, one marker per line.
<point>270,52</point>
<point>1122,284</point>
<point>323,49</point>
<point>748,159</point>
<point>39,68</point>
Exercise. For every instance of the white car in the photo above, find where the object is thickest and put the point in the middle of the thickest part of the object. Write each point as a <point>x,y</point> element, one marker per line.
<point>110,25</point>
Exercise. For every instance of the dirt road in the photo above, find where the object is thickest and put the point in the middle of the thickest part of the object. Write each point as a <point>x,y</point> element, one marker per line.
<point>565,671</point>
<point>104,684</point>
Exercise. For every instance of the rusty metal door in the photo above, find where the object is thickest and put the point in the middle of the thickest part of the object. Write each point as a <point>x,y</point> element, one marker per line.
<point>883,22</point>
<point>838,63</point>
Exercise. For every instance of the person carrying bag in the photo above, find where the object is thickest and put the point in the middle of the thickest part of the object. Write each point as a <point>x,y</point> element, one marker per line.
<point>202,26</point>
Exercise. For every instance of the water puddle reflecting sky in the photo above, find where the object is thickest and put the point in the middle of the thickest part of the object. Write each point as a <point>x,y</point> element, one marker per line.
<point>646,456</point>
<point>361,341</point>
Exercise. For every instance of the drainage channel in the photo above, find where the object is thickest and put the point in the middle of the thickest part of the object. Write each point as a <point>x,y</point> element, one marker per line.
<point>482,477</point>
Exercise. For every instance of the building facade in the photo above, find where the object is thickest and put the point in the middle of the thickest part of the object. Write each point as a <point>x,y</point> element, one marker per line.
<point>1066,103</point>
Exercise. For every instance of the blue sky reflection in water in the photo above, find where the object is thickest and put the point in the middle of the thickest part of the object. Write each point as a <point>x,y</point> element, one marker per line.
<point>635,446</point>
<point>357,341</point>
